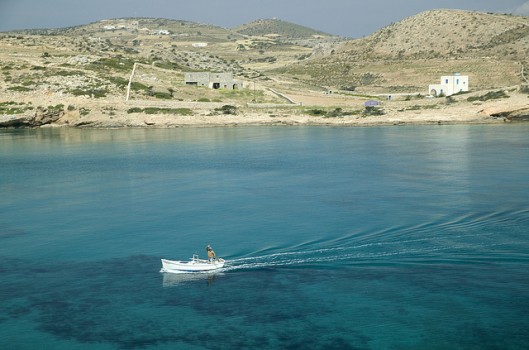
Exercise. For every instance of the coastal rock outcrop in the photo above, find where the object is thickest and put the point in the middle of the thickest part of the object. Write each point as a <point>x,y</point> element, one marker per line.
<point>16,121</point>
<point>43,116</point>
<point>517,115</point>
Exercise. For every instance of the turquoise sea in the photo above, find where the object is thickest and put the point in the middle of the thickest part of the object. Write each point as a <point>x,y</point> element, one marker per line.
<point>336,238</point>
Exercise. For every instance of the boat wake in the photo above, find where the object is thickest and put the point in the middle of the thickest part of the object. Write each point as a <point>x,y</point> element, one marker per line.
<point>419,250</point>
<point>469,238</point>
<point>303,258</point>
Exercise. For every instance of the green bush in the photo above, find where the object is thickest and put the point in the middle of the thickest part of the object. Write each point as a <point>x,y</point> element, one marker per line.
<point>135,86</point>
<point>156,110</point>
<point>59,107</point>
<point>95,93</point>
<point>373,111</point>
<point>115,63</point>
<point>450,100</point>
<point>67,73</point>
<point>18,88</point>
<point>162,95</point>
<point>317,112</point>
<point>118,81</point>
<point>134,110</point>
<point>492,95</point>
<point>11,108</point>
<point>335,113</point>
<point>227,109</point>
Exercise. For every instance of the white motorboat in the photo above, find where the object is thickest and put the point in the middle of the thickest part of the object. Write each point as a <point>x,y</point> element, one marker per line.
<point>193,265</point>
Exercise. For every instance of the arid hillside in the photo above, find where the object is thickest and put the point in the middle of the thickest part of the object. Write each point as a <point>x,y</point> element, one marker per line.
<point>131,72</point>
<point>100,56</point>
<point>408,55</point>
<point>278,28</point>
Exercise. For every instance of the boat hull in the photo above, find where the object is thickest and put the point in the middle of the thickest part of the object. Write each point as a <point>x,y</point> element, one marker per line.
<point>193,265</point>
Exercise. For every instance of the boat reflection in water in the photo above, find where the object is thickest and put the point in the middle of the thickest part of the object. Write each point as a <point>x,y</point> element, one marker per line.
<point>178,279</point>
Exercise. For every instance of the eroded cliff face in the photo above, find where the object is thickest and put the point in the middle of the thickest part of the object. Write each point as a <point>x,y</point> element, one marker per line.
<point>42,116</point>
<point>515,116</point>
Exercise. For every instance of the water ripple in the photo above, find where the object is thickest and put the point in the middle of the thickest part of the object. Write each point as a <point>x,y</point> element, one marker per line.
<point>468,238</point>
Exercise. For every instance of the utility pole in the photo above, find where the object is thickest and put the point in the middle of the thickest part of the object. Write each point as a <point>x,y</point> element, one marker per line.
<point>130,81</point>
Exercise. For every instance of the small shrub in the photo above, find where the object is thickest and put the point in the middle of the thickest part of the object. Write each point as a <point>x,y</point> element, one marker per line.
<point>335,113</point>
<point>59,107</point>
<point>134,110</point>
<point>349,88</point>
<point>373,111</point>
<point>95,93</point>
<point>316,112</point>
<point>115,63</point>
<point>162,95</point>
<point>18,88</point>
<point>135,86</point>
<point>67,73</point>
<point>156,110</point>
<point>118,81</point>
<point>11,108</point>
<point>84,111</point>
<point>227,109</point>
<point>203,99</point>
<point>492,95</point>
<point>110,110</point>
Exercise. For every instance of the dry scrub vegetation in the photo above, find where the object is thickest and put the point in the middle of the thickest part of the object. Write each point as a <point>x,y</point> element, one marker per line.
<point>287,70</point>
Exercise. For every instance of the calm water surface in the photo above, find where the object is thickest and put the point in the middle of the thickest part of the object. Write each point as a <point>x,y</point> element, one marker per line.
<point>336,238</point>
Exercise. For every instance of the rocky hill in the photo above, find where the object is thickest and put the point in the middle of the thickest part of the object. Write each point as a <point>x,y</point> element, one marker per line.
<point>446,33</point>
<point>138,26</point>
<point>80,75</point>
<point>278,28</point>
<point>413,52</point>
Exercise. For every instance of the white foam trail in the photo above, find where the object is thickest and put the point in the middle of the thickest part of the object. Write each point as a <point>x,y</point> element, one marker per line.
<point>287,259</point>
<point>361,253</point>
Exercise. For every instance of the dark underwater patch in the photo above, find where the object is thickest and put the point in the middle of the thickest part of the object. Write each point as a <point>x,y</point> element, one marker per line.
<point>123,302</point>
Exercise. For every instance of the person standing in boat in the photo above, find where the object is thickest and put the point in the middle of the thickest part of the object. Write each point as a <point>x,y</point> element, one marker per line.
<point>211,253</point>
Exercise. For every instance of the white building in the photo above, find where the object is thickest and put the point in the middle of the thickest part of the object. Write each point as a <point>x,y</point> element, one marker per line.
<point>450,85</point>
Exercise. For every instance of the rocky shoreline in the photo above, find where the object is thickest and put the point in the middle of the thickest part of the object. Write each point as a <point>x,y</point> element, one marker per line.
<point>67,112</point>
